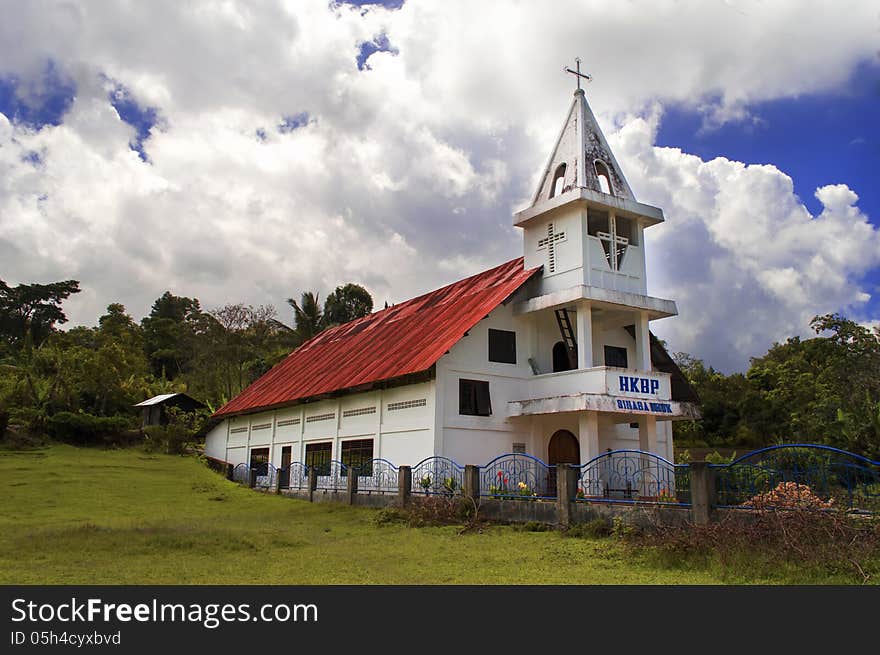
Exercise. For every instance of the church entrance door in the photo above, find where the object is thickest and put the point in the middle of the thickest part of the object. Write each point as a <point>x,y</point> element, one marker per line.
<point>563,449</point>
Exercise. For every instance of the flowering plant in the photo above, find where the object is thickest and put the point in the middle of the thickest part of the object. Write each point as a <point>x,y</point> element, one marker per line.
<point>425,482</point>
<point>501,487</point>
<point>524,490</point>
<point>666,495</point>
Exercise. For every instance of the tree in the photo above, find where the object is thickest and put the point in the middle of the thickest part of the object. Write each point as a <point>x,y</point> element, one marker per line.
<point>347,303</point>
<point>29,312</point>
<point>169,333</point>
<point>307,316</point>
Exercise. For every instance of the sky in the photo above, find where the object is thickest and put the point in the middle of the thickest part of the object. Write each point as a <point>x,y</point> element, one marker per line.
<point>247,152</point>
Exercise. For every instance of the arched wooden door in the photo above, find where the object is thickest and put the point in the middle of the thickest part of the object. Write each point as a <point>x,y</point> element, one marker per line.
<point>563,449</point>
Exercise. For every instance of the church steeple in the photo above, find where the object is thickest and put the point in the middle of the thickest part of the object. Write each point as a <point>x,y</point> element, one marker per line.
<point>581,158</point>
<point>584,225</point>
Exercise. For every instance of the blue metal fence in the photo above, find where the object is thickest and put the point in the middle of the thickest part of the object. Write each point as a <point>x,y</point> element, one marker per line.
<point>790,476</point>
<point>799,476</point>
<point>332,476</point>
<point>241,473</point>
<point>377,476</point>
<point>437,475</point>
<point>517,475</point>
<point>633,475</point>
<point>295,476</point>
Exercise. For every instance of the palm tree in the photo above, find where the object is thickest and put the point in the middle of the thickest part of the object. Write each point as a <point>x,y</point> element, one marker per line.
<point>307,315</point>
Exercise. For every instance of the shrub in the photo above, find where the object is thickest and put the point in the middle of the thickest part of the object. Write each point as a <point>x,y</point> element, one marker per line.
<point>390,516</point>
<point>85,429</point>
<point>598,527</point>
<point>174,437</point>
<point>433,511</point>
<point>828,539</point>
<point>532,526</point>
<point>4,421</point>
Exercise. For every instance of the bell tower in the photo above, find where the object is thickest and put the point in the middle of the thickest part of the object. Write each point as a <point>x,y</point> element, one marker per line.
<point>584,224</point>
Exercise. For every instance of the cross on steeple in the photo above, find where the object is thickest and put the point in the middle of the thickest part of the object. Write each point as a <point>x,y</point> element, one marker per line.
<point>577,73</point>
<point>614,246</point>
<point>549,242</point>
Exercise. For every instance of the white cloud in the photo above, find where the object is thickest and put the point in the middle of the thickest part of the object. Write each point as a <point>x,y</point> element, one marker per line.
<point>406,174</point>
<point>740,253</point>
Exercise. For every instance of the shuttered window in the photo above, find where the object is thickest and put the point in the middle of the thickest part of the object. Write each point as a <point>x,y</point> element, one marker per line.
<point>473,398</point>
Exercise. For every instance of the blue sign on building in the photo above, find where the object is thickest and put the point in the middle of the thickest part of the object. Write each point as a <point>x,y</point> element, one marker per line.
<point>638,385</point>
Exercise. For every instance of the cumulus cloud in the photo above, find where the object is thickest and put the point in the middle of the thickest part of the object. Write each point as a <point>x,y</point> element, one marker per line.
<point>291,156</point>
<point>744,258</point>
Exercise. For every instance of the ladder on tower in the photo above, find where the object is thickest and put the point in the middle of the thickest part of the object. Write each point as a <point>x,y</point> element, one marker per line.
<point>563,319</point>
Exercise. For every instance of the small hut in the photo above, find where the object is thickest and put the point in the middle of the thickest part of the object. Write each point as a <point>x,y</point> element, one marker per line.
<point>153,409</point>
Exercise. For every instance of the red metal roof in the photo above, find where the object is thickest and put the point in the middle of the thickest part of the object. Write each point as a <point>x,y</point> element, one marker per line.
<point>407,338</point>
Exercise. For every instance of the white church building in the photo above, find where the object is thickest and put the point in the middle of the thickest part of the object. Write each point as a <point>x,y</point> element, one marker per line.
<point>550,354</point>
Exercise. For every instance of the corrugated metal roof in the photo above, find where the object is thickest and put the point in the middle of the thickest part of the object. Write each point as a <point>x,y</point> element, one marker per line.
<point>155,400</point>
<point>407,338</point>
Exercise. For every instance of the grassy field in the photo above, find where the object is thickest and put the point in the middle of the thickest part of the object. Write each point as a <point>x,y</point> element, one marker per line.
<point>88,516</point>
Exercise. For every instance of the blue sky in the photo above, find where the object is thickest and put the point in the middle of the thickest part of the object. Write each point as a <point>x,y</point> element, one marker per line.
<point>246,152</point>
<point>816,139</point>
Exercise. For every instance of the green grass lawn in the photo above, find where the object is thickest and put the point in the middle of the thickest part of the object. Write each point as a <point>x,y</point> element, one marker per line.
<point>89,516</point>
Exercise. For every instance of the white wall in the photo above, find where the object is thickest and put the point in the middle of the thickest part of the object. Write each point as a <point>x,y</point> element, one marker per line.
<point>399,420</point>
<point>215,441</point>
<point>477,439</point>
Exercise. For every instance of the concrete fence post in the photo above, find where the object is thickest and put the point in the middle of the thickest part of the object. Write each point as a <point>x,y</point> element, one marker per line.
<point>230,471</point>
<point>566,490</point>
<point>471,482</point>
<point>277,485</point>
<point>313,483</point>
<point>252,478</point>
<point>351,485</point>
<point>404,485</point>
<point>702,492</point>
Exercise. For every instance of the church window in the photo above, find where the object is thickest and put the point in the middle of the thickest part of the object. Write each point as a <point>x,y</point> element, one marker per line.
<point>597,221</point>
<point>558,181</point>
<point>358,454</point>
<point>473,398</point>
<point>603,177</point>
<point>502,346</point>
<point>318,456</point>
<point>260,460</point>
<point>561,361</point>
<point>625,227</point>
<point>613,232</point>
<point>615,356</point>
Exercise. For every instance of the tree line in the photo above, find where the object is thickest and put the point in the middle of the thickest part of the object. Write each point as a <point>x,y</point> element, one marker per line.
<point>48,374</point>
<point>824,389</point>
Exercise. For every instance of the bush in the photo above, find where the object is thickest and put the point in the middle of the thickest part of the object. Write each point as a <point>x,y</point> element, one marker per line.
<point>391,516</point>
<point>827,539</point>
<point>598,527</point>
<point>174,437</point>
<point>85,429</point>
<point>432,511</point>
<point>4,421</point>
<point>532,526</point>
